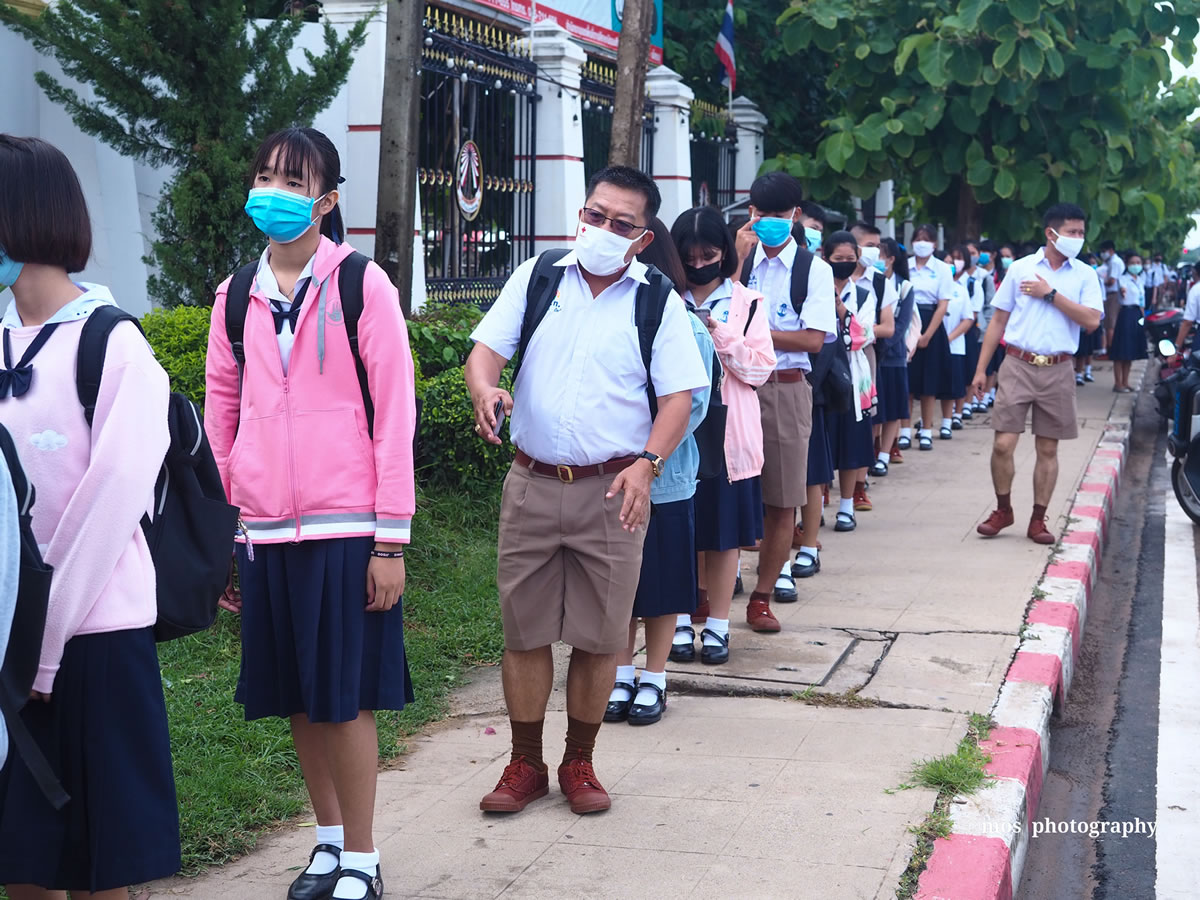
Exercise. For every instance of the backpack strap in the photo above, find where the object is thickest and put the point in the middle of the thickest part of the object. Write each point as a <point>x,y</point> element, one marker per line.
<point>22,486</point>
<point>237,303</point>
<point>879,281</point>
<point>862,296</point>
<point>93,344</point>
<point>351,276</point>
<point>801,266</point>
<point>970,287</point>
<point>747,268</point>
<point>543,282</point>
<point>648,306</point>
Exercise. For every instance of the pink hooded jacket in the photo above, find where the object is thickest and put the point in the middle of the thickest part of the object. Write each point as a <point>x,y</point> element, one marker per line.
<point>749,357</point>
<point>293,449</point>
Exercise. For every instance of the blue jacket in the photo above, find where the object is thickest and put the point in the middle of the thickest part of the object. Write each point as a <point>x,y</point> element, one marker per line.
<point>678,480</point>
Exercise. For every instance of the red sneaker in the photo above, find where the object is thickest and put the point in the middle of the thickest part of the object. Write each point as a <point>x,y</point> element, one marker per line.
<point>897,456</point>
<point>1039,533</point>
<point>520,785</point>
<point>862,503</point>
<point>759,616</point>
<point>578,782</point>
<point>992,525</point>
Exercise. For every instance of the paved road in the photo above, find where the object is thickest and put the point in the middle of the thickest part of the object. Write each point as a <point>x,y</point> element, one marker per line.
<point>1123,752</point>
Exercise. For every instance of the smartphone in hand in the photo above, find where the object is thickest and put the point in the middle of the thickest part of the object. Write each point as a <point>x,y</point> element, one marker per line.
<point>702,313</point>
<point>499,413</point>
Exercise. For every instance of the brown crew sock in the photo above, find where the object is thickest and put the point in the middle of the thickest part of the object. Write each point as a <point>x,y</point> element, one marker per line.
<point>1004,501</point>
<point>581,739</point>
<point>1039,512</point>
<point>527,742</point>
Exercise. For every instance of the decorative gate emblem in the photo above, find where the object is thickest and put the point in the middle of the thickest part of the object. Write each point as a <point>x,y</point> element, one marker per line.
<point>469,181</point>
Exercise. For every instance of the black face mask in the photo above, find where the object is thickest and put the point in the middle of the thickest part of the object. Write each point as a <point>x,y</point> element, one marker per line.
<point>702,274</point>
<point>843,270</point>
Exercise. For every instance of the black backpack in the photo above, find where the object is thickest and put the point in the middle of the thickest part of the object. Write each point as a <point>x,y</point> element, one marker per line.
<point>879,281</point>
<point>648,306</point>
<point>191,534</point>
<point>24,650</point>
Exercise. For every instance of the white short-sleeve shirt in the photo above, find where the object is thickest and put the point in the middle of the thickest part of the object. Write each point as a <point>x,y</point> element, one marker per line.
<point>1133,293</point>
<point>1034,324</point>
<point>1114,268</point>
<point>958,309</point>
<point>1191,310</point>
<point>772,277</point>
<point>931,281</point>
<point>580,397</point>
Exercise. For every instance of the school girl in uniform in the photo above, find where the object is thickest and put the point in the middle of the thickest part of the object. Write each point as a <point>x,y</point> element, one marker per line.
<point>667,589</point>
<point>1088,341</point>
<point>929,374</point>
<point>981,289</point>
<point>961,260</point>
<point>892,356</point>
<point>97,710</point>
<point>960,317</point>
<point>729,506</point>
<point>327,500</point>
<point>851,443</point>
<point>1129,335</point>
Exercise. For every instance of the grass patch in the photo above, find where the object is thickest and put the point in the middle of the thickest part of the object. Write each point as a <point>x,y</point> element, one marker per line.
<point>936,825</point>
<point>851,699</point>
<point>235,778</point>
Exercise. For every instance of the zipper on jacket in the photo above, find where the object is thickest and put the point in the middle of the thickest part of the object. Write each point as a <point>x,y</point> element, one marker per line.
<point>291,446</point>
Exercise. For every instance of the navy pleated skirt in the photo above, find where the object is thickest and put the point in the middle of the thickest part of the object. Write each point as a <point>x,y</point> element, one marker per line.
<point>929,373</point>
<point>820,457</point>
<point>308,644</point>
<point>728,514</point>
<point>958,375</point>
<point>997,360</point>
<point>851,443</point>
<point>1089,342</point>
<point>1129,337</point>
<point>974,345</point>
<point>893,393</point>
<point>669,580</point>
<point>104,733</point>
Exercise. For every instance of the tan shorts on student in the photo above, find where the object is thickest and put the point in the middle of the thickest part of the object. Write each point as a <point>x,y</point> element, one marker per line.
<point>787,423</point>
<point>1112,308</point>
<point>567,569</point>
<point>1050,390</point>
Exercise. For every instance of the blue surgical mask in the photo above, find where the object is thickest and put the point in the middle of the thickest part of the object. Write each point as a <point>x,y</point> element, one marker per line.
<point>985,258</point>
<point>1135,269</point>
<point>773,231</point>
<point>881,266</point>
<point>10,270</point>
<point>812,238</point>
<point>281,215</point>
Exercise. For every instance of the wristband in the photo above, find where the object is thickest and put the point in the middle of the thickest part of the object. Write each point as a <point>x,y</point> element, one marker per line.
<point>387,554</point>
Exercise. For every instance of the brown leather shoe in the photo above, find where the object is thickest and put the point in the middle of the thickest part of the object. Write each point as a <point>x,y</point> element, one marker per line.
<point>1039,533</point>
<point>520,785</point>
<point>701,613</point>
<point>999,519</point>
<point>759,616</point>
<point>862,503</point>
<point>578,782</point>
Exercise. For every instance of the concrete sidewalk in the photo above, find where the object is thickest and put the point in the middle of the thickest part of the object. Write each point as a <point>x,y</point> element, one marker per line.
<point>783,793</point>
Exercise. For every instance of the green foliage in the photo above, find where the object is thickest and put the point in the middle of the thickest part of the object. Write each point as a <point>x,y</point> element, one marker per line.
<point>451,454</point>
<point>984,113</point>
<point>179,338</point>
<point>196,87</point>
<point>440,335</point>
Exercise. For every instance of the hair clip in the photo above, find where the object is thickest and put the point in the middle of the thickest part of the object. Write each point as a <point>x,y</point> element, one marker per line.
<point>341,179</point>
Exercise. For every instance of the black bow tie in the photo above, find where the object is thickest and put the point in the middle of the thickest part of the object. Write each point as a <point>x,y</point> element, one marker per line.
<point>17,380</point>
<point>292,314</point>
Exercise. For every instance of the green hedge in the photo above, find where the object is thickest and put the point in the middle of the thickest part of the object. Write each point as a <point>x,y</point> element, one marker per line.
<point>179,337</point>
<point>440,335</point>
<point>451,453</point>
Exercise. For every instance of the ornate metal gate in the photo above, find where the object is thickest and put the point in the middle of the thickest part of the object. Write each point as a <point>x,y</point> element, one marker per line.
<point>714,153</point>
<point>598,88</point>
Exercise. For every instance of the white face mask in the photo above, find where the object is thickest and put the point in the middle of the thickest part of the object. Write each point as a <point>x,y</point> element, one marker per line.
<point>868,256</point>
<point>1067,246</point>
<point>599,251</point>
<point>923,249</point>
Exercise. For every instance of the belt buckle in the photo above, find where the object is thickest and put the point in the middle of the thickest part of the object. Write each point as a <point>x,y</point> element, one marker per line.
<point>1041,359</point>
<point>570,475</point>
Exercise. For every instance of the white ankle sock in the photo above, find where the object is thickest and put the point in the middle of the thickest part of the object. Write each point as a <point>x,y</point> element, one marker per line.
<point>324,863</point>
<point>645,696</point>
<point>927,432</point>
<point>906,433</point>
<point>626,674</point>
<point>1087,370</point>
<point>682,621</point>
<point>353,888</point>
<point>811,551</point>
<point>846,506</point>
<point>884,457</point>
<point>945,423</point>
<point>720,626</point>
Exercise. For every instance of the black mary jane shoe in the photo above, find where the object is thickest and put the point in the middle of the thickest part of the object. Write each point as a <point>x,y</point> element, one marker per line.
<point>316,887</point>
<point>683,653</point>
<point>714,655</point>
<point>618,710</point>
<point>648,715</point>
<point>374,882</point>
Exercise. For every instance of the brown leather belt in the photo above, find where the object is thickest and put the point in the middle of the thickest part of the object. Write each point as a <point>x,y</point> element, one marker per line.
<point>568,474</point>
<point>1037,359</point>
<point>786,376</point>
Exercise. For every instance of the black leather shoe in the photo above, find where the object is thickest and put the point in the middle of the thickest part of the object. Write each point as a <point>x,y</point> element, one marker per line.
<point>714,656</point>
<point>879,468</point>
<point>618,710</point>
<point>806,565</point>
<point>845,522</point>
<point>682,653</point>
<point>648,715</point>
<point>316,887</point>
<point>374,882</point>
<point>787,593</point>
<point>904,443</point>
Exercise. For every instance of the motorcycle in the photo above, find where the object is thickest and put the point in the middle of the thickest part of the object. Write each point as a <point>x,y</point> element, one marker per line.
<point>1178,399</point>
<point>1163,325</point>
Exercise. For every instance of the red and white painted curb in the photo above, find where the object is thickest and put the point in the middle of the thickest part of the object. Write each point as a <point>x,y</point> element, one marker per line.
<point>984,855</point>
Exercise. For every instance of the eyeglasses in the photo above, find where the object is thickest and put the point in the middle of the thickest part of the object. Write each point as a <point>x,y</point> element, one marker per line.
<point>625,229</point>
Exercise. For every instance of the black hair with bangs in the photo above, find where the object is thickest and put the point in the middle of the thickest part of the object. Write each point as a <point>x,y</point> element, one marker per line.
<point>702,228</point>
<point>304,153</point>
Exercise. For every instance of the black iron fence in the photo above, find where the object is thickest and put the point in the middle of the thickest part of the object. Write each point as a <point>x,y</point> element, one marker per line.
<point>476,156</point>
<point>598,89</point>
<point>714,155</point>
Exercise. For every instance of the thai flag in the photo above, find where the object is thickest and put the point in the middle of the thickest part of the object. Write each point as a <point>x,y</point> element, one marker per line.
<point>725,48</point>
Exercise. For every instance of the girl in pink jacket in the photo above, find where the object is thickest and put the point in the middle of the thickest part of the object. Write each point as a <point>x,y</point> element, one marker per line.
<point>323,474</point>
<point>97,710</point>
<point>728,507</point>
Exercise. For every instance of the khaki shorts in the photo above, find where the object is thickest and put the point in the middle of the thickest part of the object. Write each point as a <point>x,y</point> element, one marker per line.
<point>1050,390</point>
<point>1112,308</point>
<point>567,569</point>
<point>787,424</point>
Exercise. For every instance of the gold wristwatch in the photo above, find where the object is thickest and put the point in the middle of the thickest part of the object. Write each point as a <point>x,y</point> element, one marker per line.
<point>656,462</point>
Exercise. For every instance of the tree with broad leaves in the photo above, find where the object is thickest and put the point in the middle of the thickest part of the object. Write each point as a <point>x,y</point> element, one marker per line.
<point>984,113</point>
<point>194,86</point>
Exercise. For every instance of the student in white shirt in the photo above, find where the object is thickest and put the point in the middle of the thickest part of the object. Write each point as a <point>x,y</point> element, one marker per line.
<point>981,286</point>
<point>872,274</point>
<point>1112,267</point>
<point>960,318</point>
<point>893,355</point>
<point>929,374</point>
<point>1039,310</point>
<point>1088,340</point>
<point>1191,312</point>
<point>1129,335</point>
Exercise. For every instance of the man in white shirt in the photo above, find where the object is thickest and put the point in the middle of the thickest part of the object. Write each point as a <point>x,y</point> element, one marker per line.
<point>577,498</point>
<point>1191,312</point>
<point>769,256</point>
<point>1156,280</point>
<point>1111,269</point>
<point>1038,309</point>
